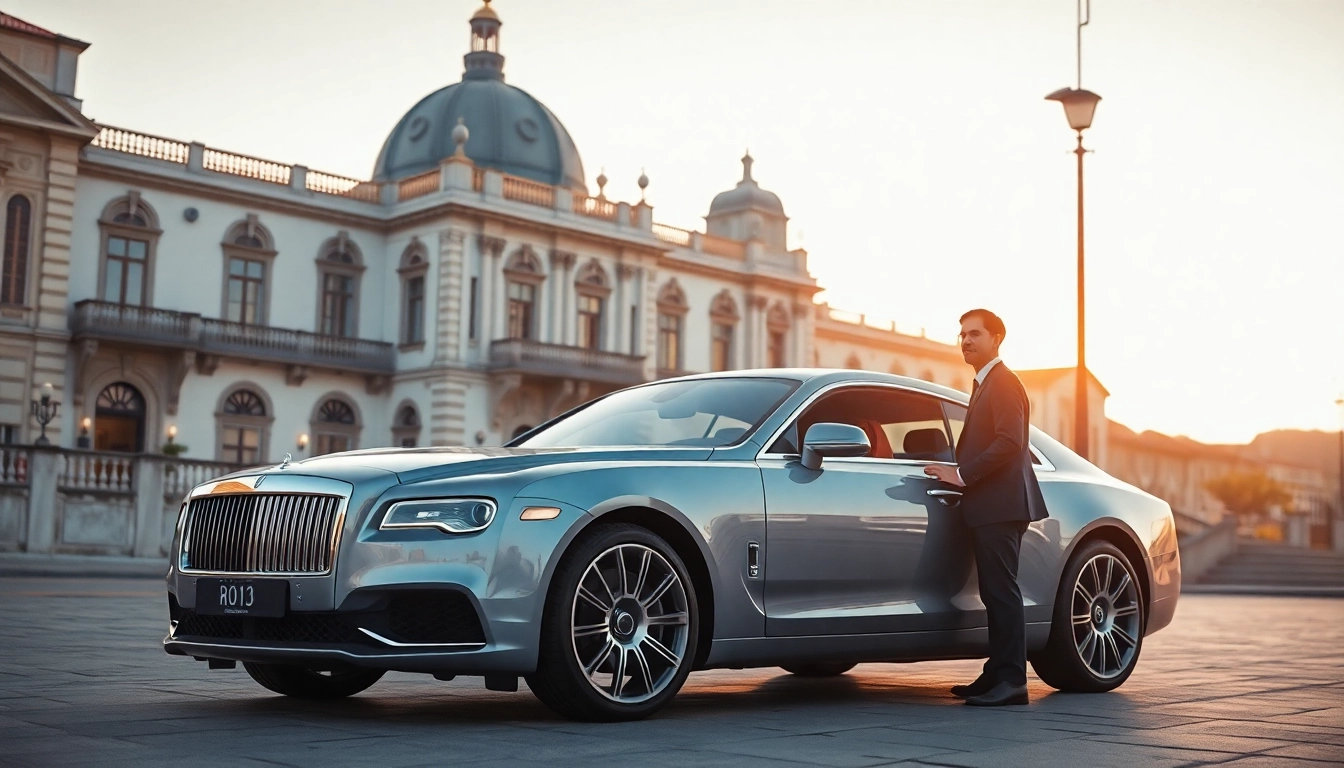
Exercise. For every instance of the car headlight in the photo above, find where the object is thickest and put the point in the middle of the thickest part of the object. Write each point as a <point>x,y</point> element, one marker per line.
<point>448,515</point>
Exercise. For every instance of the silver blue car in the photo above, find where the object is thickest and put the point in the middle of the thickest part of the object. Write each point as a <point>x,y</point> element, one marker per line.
<point>745,519</point>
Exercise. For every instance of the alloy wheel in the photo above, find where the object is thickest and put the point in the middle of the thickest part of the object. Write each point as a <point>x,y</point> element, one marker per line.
<point>629,623</point>
<point>1105,613</point>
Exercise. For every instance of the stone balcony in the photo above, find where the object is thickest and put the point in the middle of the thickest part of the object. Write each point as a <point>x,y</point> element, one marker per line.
<point>559,361</point>
<point>188,331</point>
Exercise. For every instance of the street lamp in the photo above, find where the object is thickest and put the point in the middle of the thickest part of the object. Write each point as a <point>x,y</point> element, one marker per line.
<point>1079,107</point>
<point>44,410</point>
<point>1338,517</point>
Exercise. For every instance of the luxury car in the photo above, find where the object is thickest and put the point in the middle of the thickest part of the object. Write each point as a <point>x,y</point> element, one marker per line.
<point>746,519</point>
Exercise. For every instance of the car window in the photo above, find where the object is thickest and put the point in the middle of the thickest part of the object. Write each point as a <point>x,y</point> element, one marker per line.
<point>956,419</point>
<point>899,424</point>
<point>693,412</point>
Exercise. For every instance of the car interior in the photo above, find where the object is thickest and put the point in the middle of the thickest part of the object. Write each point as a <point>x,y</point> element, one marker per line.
<point>892,420</point>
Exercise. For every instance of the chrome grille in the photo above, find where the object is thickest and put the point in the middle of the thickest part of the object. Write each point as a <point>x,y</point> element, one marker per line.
<point>260,533</point>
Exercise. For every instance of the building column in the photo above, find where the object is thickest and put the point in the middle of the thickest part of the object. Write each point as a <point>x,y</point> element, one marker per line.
<point>755,331</point>
<point>625,287</point>
<point>566,296</point>
<point>449,342</point>
<point>491,248</point>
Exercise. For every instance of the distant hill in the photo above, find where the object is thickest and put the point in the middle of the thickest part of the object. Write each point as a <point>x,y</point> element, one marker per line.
<point>1316,449</point>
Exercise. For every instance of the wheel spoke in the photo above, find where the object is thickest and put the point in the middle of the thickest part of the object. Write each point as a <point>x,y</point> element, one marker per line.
<point>669,619</point>
<point>620,568</point>
<point>666,584</point>
<point>643,573</point>
<point>1080,591</point>
<point>1117,629</point>
<point>1110,573</point>
<point>1101,651</point>
<point>594,599</point>
<point>1119,591</point>
<point>605,586</point>
<point>1096,577</point>
<point>588,630</point>
<point>1115,651</point>
<point>618,679</point>
<point>643,663</point>
<point>662,650</point>
<point>1126,610</point>
<point>1082,618</point>
<point>602,655</point>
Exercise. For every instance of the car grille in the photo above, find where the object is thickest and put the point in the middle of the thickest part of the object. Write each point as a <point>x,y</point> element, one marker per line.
<point>260,533</point>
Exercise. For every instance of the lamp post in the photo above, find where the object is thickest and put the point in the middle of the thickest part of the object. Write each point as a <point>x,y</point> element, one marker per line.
<point>1337,519</point>
<point>44,410</point>
<point>1079,107</point>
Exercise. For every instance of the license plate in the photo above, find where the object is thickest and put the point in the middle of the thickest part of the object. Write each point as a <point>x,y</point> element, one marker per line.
<point>242,597</point>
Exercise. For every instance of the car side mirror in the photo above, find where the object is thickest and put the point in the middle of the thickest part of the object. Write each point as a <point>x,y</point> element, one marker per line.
<point>828,439</point>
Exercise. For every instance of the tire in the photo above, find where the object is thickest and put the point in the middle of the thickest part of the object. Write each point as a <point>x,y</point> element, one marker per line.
<point>624,656</point>
<point>305,683</point>
<point>818,668</point>
<point>1096,633</point>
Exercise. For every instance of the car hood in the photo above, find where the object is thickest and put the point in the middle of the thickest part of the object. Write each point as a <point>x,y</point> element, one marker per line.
<point>415,464</point>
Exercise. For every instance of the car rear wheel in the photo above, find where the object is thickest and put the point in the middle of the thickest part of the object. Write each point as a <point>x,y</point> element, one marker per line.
<point>818,668</point>
<point>618,635</point>
<point>1097,630</point>
<point>306,683</point>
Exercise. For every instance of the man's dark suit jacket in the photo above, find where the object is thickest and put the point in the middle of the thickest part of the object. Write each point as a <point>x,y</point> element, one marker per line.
<point>993,454</point>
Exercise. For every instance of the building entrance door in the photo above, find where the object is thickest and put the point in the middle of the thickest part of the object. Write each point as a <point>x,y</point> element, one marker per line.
<point>119,421</point>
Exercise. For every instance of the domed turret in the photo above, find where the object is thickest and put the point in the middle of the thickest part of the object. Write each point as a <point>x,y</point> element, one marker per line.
<point>509,130</point>
<point>747,212</point>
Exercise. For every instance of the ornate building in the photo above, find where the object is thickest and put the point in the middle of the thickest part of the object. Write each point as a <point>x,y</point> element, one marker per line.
<point>472,288</point>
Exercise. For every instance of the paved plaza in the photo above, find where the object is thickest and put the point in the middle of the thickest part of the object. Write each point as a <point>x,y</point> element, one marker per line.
<point>1237,680</point>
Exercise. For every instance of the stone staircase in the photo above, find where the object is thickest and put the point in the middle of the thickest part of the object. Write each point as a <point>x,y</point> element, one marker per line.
<point>1257,566</point>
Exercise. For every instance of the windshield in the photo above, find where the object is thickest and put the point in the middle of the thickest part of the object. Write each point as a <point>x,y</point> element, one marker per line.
<point>696,412</point>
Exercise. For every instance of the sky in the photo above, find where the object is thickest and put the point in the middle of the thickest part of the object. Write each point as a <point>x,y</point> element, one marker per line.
<point>909,141</point>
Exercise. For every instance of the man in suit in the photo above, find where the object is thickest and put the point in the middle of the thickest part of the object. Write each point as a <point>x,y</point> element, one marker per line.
<point>1000,498</point>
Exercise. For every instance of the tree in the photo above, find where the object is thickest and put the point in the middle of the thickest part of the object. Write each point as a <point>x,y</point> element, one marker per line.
<point>1248,494</point>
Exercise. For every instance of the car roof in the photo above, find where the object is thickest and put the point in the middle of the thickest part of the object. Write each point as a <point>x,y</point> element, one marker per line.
<point>819,377</point>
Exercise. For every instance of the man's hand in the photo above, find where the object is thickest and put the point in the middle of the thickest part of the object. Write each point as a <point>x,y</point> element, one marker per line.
<point>945,473</point>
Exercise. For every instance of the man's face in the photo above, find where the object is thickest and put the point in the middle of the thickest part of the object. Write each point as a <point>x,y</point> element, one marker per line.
<point>978,346</point>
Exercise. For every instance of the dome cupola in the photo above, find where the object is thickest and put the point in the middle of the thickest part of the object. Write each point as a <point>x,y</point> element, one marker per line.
<point>508,129</point>
<point>747,212</point>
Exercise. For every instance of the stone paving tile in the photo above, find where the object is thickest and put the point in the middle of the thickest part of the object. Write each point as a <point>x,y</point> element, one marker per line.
<point>1328,753</point>
<point>1231,676</point>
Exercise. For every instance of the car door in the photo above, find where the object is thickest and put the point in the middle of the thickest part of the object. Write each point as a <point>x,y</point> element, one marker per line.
<point>860,546</point>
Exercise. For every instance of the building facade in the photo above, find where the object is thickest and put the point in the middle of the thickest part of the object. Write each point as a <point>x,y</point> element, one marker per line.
<point>242,309</point>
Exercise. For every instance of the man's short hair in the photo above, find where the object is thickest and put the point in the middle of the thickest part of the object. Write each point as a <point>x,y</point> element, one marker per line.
<point>993,323</point>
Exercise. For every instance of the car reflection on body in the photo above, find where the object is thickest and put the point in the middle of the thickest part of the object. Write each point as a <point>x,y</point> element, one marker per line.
<point>747,519</point>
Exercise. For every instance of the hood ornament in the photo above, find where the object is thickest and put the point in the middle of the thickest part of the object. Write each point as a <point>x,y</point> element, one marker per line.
<point>285,462</point>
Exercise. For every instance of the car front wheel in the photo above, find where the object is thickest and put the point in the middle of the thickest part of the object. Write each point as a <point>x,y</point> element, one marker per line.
<point>618,635</point>
<point>1097,630</point>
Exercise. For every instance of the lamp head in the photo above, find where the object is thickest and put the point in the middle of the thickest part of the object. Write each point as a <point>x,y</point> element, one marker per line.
<point>303,441</point>
<point>1079,106</point>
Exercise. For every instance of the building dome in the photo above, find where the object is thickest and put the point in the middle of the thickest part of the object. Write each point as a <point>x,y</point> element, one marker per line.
<point>746,196</point>
<point>509,130</point>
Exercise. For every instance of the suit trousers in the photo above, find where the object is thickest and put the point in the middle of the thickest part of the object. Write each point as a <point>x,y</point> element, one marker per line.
<point>997,546</point>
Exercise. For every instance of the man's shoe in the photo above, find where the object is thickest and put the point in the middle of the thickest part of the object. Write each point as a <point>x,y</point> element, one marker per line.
<point>980,686</point>
<point>1000,695</point>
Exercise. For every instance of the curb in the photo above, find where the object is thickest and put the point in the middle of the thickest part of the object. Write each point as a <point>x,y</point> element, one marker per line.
<point>1267,590</point>
<point>25,565</point>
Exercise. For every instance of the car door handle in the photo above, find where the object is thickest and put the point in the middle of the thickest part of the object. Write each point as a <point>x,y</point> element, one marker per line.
<point>948,498</point>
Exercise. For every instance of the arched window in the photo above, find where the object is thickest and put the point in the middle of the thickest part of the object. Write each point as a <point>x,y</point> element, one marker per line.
<point>119,419</point>
<point>339,266</point>
<point>853,362</point>
<point>592,286</point>
<point>414,266</point>
<point>335,426</point>
<point>14,277</point>
<point>524,275</point>
<point>723,317</point>
<point>672,309</point>
<point>243,423</point>
<point>897,368</point>
<point>130,236</point>
<point>406,426</point>
<point>249,252</point>
<point>928,376</point>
